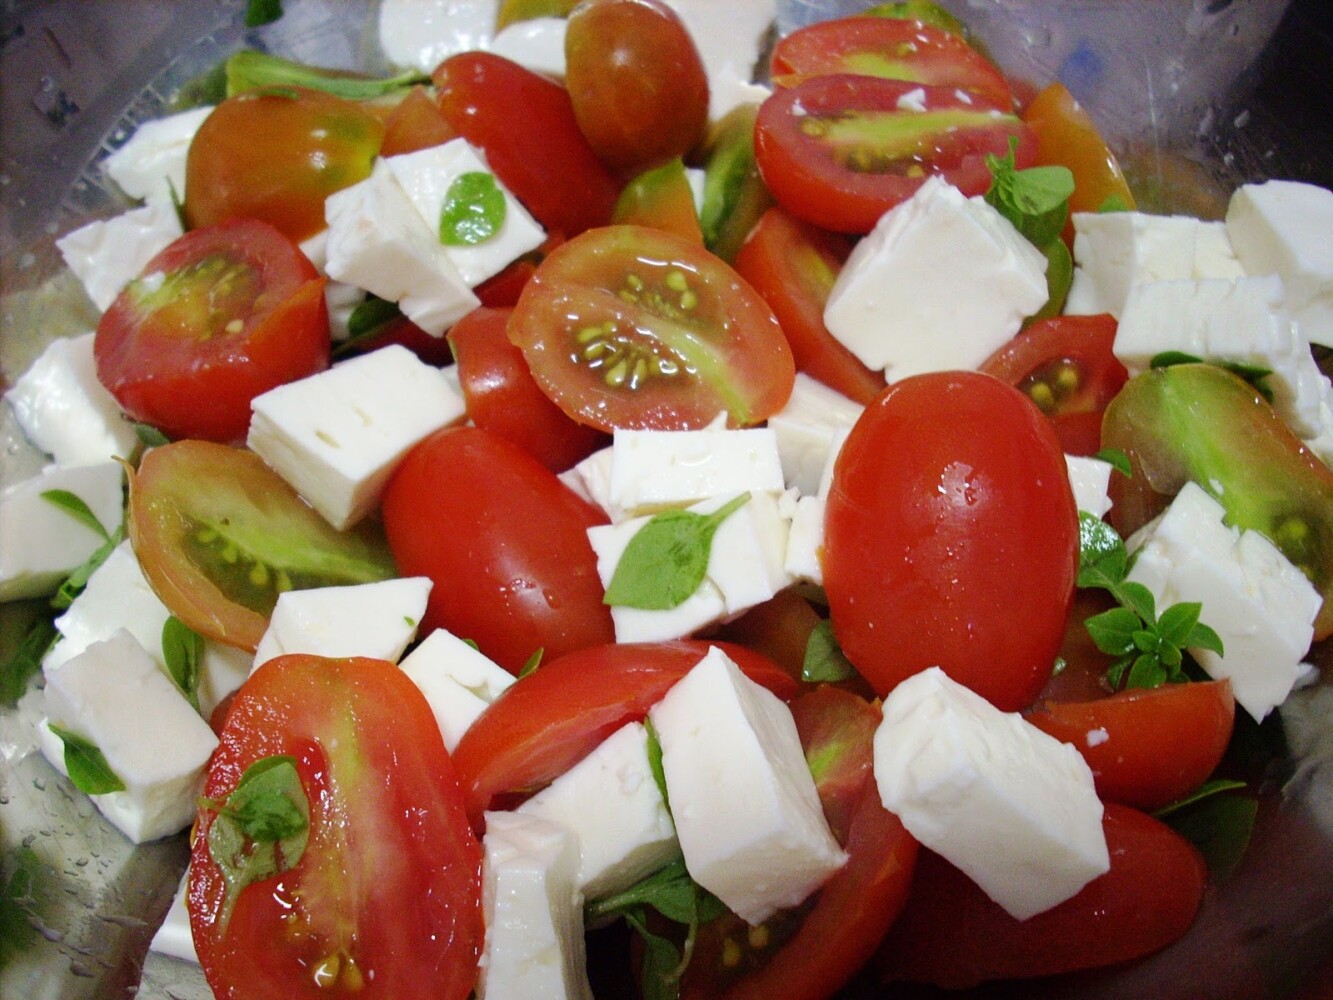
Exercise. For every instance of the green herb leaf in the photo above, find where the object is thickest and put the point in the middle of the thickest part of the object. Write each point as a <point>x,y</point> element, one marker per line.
<point>1102,559</point>
<point>261,12</point>
<point>1114,202</point>
<point>534,661</point>
<point>473,210</point>
<point>1219,825</point>
<point>76,507</point>
<point>149,436</point>
<point>26,660</point>
<point>824,659</point>
<point>367,321</point>
<point>1117,459</point>
<point>660,978</point>
<point>1215,786</point>
<point>655,763</point>
<point>77,580</point>
<point>87,765</point>
<point>667,559</point>
<point>183,652</point>
<point>1113,630</point>
<point>1255,375</point>
<point>250,69</point>
<point>1035,200</point>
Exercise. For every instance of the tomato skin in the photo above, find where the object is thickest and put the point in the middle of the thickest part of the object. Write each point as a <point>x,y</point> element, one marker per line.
<point>1154,746</point>
<point>1067,135</point>
<point>505,542</point>
<point>391,871</point>
<point>661,197</point>
<point>415,123</point>
<point>172,358</point>
<point>951,934</point>
<point>962,551</point>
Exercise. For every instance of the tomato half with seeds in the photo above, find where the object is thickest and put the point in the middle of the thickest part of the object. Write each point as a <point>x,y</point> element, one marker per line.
<point>219,535</point>
<point>379,894</point>
<point>627,326</point>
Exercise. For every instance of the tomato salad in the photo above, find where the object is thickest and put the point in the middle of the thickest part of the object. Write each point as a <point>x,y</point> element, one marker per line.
<point>759,533</point>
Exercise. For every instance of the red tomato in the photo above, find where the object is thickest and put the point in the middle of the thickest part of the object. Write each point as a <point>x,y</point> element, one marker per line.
<point>385,900</point>
<point>502,290</point>
<point>779,628</point>
<point>415,123</point>
<point>502,396</point>
<point>793,265</point>
<point>525,124</point>
<point>951,538</point>
<point>554,717</point>
<point>1066,135</point>
<point>841,150</point>
<point>505,543</point>
<point>627,326</point>
<point>221,315</point>
<point>1147,748</point>
<point>953,935</point>
<point>1065,364</point>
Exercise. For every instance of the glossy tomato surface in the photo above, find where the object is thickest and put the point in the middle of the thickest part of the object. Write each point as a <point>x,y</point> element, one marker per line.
<point>951,538</point>
<point>1066,135</point>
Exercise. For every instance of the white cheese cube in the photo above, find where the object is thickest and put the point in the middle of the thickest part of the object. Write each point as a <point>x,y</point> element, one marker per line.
<point>1261,606</point>
<point>807,428</point>
<point>457,680</point>
<point>1010,806</point>
<point>40,543</point>
<point>654,470</point>
<point>336,436</point>
<point>173,936</point>
<point>378,241</point>
<point>805,541</point>
<point>1282,228</point>
<point>152,163</point>
<point>611,801</point>
<point>65,412</point>
<point>340,297</point>
<point>1321,443</point>
<point>104,695</point>
<point>537,44</point>
<point>747,814</point>
<point>591,479</point>
<point>730,38</point>
<point>108,254</point>
<point>420,34</point>
<point>378,620</point>
<point>1090,479</point>
<point>940,283</point>
<point>534,913</point>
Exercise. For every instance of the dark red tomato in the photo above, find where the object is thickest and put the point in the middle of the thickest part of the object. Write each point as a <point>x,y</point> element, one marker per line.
<point>385,898</point>
<point>627,326</point>
<point>503,398</point>
<point>415,123</point>
<point>841,150</point>
<point>221,315</point>
<point>1082,675</point>
<point>1146,747</point>
<point>1065,364</point>
<point>793,265</point>
<point>779,628</point>
<point>525,124</point>
<point>636,81</point>
<point>554,717</point>
<point>505,543</point>
<point>952,934</point>
<point>275,154</point>
<point>661,197</point>
<point>892,48</point>
<point>951,538</point>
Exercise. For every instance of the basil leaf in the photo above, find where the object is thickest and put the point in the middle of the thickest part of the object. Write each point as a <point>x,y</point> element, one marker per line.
<point>76,507</point>
<point>26,660</point>
<point>367,321</point>
<point>250,69</point>
<point>1117,459</point>
<point>660,978</point>
<point>183,652</point>
<point>655,763</point>
<point>77,580</point>
<point>824,659</point>
<point>1102,558</point>
<point>473,210</point>
<point>87,765</point>
<point>532,663</point>
<point>261,12</point>
<point>149,436</point>
<point>1035,200</point>
<point>1220,826</point>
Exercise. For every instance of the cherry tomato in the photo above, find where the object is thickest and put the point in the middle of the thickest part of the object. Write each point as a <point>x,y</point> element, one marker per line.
<point>793,265</point>
<point>841,150</point>
<point>1065,364</point>
<point>502,396</point>
<point>734,193</point>
<point>951,538</point>
<point>219,535</point>
<point>636,81</point>
<point>953,935</point>
<point>525,124</point>
<point>416,122</point>
<point>221,315</point>
<point>627,326</point>
<point>275,154</point>
<point>505,543</point>
<point>1066,135</point>
<point>661,198</point>
<point>779,628</point>
<point>385,898</point>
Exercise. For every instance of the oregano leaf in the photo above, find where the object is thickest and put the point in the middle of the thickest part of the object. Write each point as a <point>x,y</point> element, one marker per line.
<point>473,210</point>
<point>76,507</point>
<point>87,765</point>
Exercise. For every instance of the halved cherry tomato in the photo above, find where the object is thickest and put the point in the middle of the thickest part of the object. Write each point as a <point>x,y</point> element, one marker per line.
<point>951,538</point>
<point>793,265</point>
<point>661,197</point>
<point>416,122</point>
<point>1067,135</point>
<point>841,150</point>
<point>219,535</point>
<point>1065,364</point>
<point>505,542</point>
<point>627,326</point>
<point>385,899</point>
<point>221,315</point>
<point>275,154</point>
<point>953,935</point>
<point>502,396</point>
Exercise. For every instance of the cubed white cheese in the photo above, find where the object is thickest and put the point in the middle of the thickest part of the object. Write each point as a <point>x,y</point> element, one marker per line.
<point>108,254</point>
<point>340,297</point>
<point>1010,806</point>
<point>805,541</point>
<point>457,680</point>
<point>1261,605</point>
<point>420,34</point>
<point>939,283</point>
<point>730,39</point>
<point>336,436</point>
<point>40,542</point>
<point>151,164</point>
<point>746,811</point>
<point>104,695</point>
<point>534,913</point>
<point>537,43</point>
<point>591,479</point>
<point>173,936</point>
<point>378,620</point>
<point>807,427</point>
<point>1090,479</point>
<point>65,412</point>
<point>611,801</point>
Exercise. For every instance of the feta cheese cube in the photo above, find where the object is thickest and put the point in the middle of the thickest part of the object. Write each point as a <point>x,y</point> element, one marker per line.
<point>805,541</point>
<point>1010,806</point>
<point>654,470</point>
<point>730,38</point>
<point>421,34</point>
<point>591,479</point>
<point>537,44</point>
<point>340,297</point>
<point>457,680</point>
<point>173,936</point>
<point>152,163</point>
<point>1090,479</point>
<point>336,436</point>
<point>108,254</point>
<point>1261,606</point>
<point>814,419</point>
<point>939,283</point>
<point>746,811</point>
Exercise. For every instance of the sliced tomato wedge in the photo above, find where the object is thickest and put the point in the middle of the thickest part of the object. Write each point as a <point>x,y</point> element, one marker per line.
<point>1067,135</point>
<point>661,198</point>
